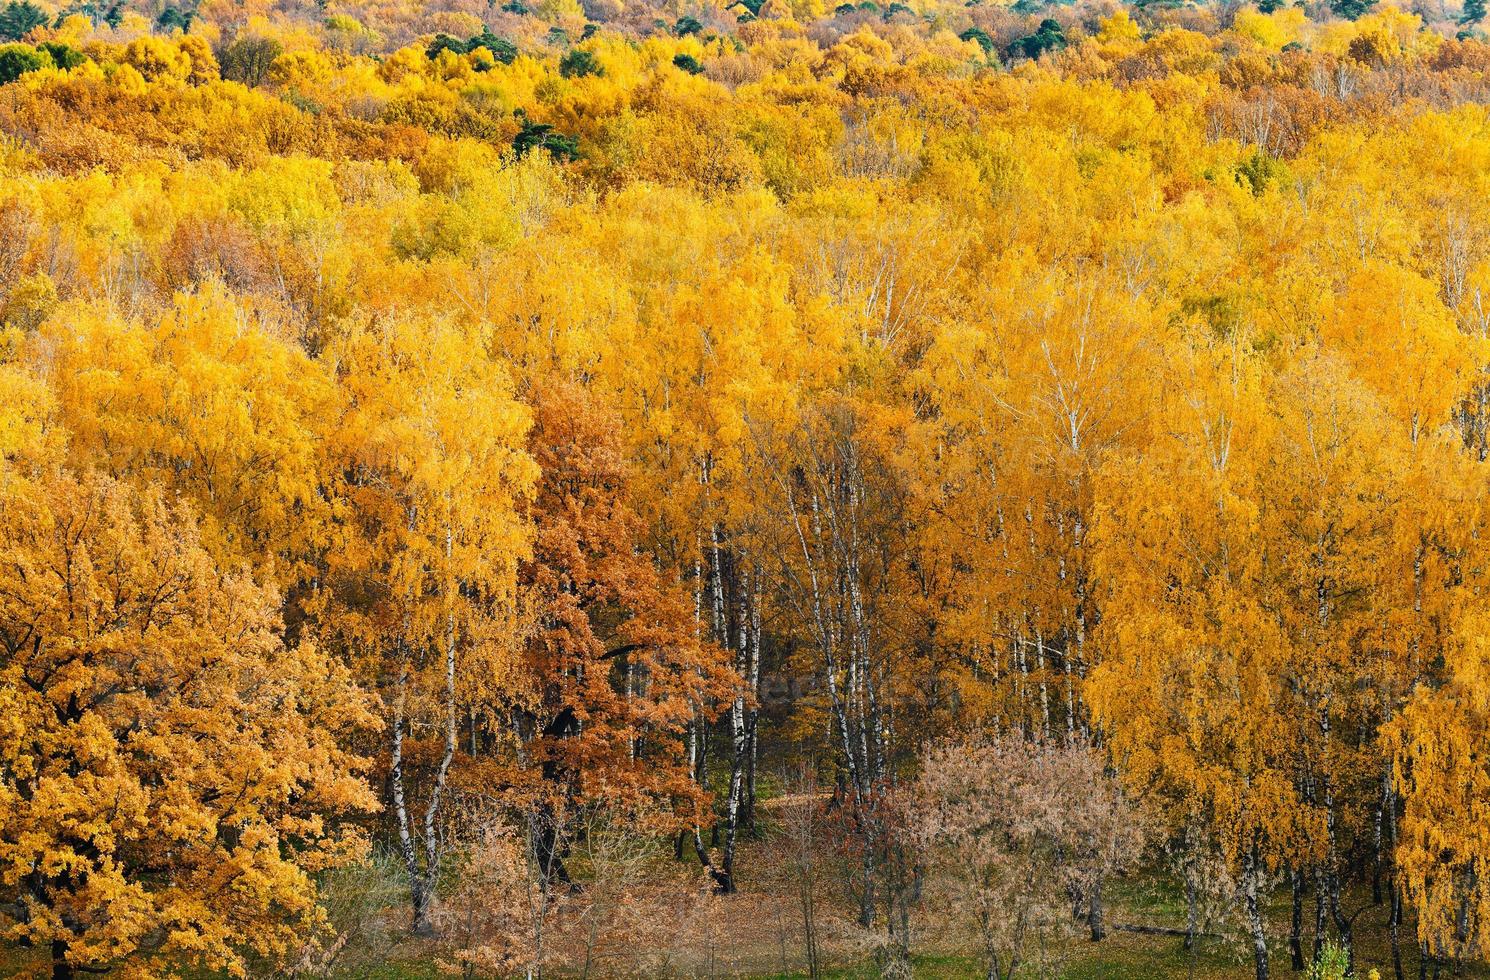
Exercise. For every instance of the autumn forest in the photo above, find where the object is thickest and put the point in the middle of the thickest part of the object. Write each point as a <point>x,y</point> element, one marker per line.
<point>676,488</point>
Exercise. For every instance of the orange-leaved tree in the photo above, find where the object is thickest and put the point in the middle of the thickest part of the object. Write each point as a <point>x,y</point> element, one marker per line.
<point>171,773</point>
<point>615,661</point>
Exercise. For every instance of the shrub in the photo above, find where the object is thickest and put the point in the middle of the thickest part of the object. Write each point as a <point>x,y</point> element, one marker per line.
<point>19,59</point>
<point>63,56</point>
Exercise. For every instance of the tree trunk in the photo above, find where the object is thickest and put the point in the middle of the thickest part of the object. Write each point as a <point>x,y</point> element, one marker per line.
<point>1255,927</point>
<point>420,892</point>
<point>1094,910</point>
<point>1296,924</point>
<point>1192,905</point>
<point>1320,928</point>
<point>809,928</point>
<point>437,791</point>
<point>721,881</point>
<point>866,900</point>
<point>1395,925</point>
<point>739,745</point>
<point>549,849</point>
<point>732,820</point>
<point>1394,919</point>
<point>752,711</point>
<point>61,969</point>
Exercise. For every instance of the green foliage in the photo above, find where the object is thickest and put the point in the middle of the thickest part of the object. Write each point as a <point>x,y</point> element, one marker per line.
<point>19,18</point>
<point>981,36</point>
<point>1221,313</point>
<point>1351,9</point>
<point>1259,170</point>
<point>247,59</point>
<point>444,42</point>
<point>62,55</point>
<point>1332,963</point>
<point>688,63</point>
<point>175,19</point>
<point>686,26</point>
<point>898,8</point>
<point>111,14</point>
<point>502,50</point>
<point>303,102</point>
<point>1473,13</point>
<point>578,64</point>
<point>1049,37</point>
<point>541,136</point>
<point>19,59</point>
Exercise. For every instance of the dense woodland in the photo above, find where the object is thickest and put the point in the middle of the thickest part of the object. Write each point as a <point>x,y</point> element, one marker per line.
<point>530,485</point>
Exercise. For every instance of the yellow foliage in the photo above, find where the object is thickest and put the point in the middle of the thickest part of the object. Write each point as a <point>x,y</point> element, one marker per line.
<point>158,59</point>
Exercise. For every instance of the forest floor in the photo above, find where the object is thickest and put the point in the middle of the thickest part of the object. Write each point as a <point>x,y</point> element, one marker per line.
<point>753,936</point>
<point>757,934</point>
<point>1123,954</point>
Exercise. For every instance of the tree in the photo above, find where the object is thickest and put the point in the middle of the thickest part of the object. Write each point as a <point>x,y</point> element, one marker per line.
<point>247,59</point>
<point>63,56</point>
<point>1013,825</point>
<point>1443,780</point>
<point>19,59</point>
<point>1352,9</point>
<point>835,565</point>
<point>980,37</point>
<point>615,664</point>
<point>495,915</point>
<point>422,572</point>
<point>1049,37</point>
<point>19,18</point>
<point>175,19</point>
<point>579,63</point>
<point>503,50</point>
<point>541,136</point>
<point>1192,688</point>
<point>212,406</point>
<point>173,772</point>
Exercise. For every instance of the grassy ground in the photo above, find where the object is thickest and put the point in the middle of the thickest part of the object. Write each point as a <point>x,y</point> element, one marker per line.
<point>747,947</point>
<point>1122,955</point>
